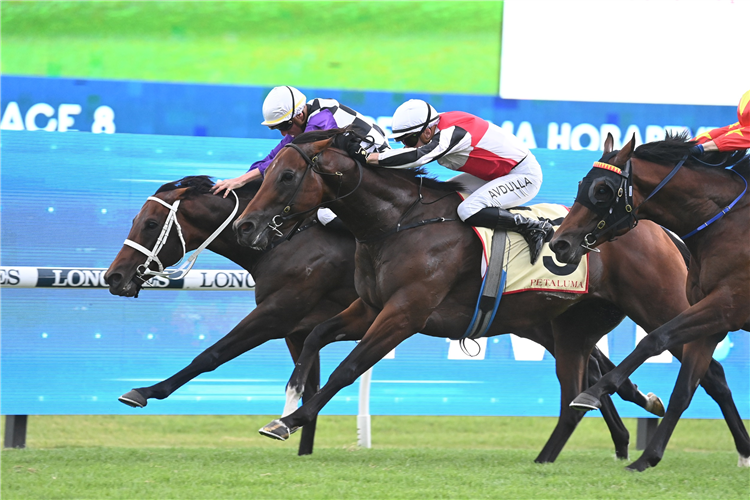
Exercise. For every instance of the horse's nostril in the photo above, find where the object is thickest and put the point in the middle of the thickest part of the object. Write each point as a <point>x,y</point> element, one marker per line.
<point>113,279</point>
<point>559,245</point>
<point>247,228</point>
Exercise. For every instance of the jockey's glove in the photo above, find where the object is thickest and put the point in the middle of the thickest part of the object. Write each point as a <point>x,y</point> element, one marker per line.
<point>354,148</point>
<point>696,150</point>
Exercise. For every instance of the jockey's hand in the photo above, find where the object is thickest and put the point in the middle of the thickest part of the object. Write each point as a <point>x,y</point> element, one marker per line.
<point>354,149</point>
<point>696,150</point>
<point>226,185</point>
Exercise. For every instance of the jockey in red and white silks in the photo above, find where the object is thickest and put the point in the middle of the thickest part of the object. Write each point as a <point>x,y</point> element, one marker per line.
<point>495,166</point>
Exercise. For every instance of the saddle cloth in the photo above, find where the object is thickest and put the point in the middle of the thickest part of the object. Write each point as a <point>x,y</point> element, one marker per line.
<point>547,274</point>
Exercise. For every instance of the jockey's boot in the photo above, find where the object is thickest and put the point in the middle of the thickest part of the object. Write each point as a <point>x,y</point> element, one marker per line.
<point>534,231</point>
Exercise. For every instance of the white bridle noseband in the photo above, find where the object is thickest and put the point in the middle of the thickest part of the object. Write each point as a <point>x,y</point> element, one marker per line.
<point>144,273</point>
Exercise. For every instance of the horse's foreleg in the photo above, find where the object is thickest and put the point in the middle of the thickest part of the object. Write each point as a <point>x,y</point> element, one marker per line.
<point>257,328</point>
<point>696,358</point>
<point>391,327</point>
<point>571,356</point>
<point>700,320</point>
<point>714,382</point>
<point>628,391</point>
<point>312,384</point>
<point>350,324</point>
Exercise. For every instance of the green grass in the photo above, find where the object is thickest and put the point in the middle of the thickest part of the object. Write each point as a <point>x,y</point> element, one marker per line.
<point>220,457</point>
<point>449,47</point>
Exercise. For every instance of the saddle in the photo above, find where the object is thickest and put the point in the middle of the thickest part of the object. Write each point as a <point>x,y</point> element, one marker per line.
<point>506,268</point>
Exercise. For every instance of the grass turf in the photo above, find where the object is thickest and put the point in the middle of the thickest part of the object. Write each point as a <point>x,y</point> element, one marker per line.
<point>412,457</point>
<point>395,46</point>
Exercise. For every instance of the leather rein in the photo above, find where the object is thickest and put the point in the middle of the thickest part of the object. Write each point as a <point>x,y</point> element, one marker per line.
<point>278,220</point>
<point>623,202</point>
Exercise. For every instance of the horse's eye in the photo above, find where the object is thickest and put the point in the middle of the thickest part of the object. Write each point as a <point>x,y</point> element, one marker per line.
<point>287,176</point>
<point>151,224</point>
<point>603,193</point>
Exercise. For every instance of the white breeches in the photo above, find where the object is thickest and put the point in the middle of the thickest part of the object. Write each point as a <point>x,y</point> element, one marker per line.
<point>511,190</point>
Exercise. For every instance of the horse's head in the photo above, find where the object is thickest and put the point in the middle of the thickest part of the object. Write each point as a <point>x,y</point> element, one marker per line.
<point>295,184</point>
<point>602,209</point>
<point>180,217</point>
<point>153,243</point>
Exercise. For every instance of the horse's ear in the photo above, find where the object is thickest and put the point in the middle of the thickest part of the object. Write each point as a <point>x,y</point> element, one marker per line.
<point>626,152</point>
<point>609,143</point>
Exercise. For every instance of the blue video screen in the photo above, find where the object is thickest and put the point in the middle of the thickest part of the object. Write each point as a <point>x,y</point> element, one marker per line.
<point>69,199</point>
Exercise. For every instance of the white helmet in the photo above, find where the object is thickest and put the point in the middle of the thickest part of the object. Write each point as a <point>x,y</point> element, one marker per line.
<point>412,117</point>
<point>281,105</point>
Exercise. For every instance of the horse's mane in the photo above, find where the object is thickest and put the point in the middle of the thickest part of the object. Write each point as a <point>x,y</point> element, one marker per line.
<point>412,174</point>
<point>674,148</point>
<point>419,175</point>
<point>201,184</point>
<point>318,135</point>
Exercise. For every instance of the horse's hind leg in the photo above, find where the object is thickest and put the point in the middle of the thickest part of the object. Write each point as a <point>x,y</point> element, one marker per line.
<point>696,358</point>
<point>350,324</point>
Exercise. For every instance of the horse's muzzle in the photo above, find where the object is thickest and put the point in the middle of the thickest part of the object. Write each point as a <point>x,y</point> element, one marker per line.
<point>120,287</point>
<point>251,233</point>
<point>565,250</point>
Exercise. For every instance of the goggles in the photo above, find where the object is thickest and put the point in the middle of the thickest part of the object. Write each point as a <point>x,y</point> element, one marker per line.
<point>410,140</point>
<point>283,127</point>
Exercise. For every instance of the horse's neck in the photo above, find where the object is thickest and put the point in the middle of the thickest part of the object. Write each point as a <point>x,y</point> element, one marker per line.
<point>208,214</point>
<point>378,205</point>
<point>689,199</point>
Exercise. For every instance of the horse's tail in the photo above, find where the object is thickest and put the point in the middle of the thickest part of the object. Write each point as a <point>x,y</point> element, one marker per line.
<point>681,246</point>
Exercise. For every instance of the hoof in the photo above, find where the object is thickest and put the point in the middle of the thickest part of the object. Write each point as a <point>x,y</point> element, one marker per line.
<point>743,462</point>
<point>585,402</point>
<point>654,404</point>
<point>638,466</point>
<point>277,430</point>
<point>133,399</point>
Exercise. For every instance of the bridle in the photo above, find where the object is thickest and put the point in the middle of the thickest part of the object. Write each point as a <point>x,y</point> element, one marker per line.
<point>622,205</point>
<point>143,271</point>
<point>311,162</point>
<point>278,220</point>
<point>620,209</point>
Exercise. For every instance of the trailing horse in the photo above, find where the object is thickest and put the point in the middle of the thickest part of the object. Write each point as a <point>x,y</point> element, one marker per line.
<point>710,207</point>
<point>418,270</point>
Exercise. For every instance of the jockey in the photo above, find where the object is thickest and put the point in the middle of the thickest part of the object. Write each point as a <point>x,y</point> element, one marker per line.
<point>730,138</point>
<point>498,170</point>
<point>285,110</point>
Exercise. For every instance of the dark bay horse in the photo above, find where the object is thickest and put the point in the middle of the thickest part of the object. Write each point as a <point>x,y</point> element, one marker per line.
<point>299,283</point>
<point>425,277</point>
<point>290,300</point>
<point>718,285</point>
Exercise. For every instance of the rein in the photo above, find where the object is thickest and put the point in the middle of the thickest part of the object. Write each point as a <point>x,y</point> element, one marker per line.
<point>278,220</point>
<point>144,273</point>
<point>311,162</point>
<point>421,223</point>
<point>625,193</point>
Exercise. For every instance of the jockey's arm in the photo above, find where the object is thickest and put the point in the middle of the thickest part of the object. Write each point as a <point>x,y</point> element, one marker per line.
<point>445,142</point>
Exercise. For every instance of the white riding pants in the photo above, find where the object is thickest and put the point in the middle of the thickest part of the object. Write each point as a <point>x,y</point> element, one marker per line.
<point>511,190</point>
